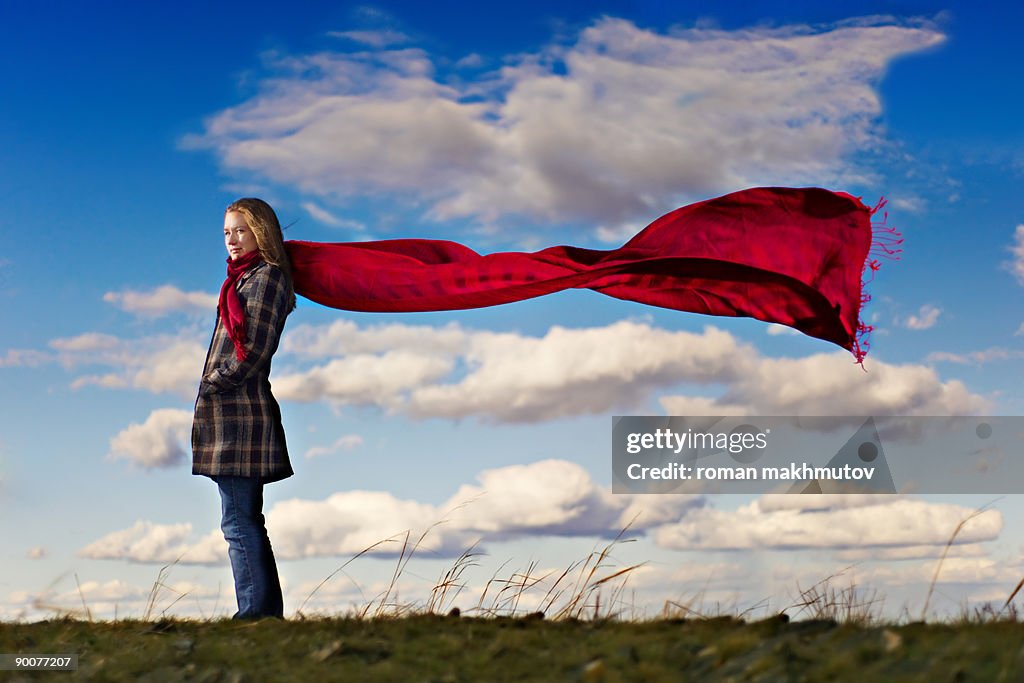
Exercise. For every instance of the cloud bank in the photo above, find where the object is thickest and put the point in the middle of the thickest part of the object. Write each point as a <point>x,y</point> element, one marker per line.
<point>162,301</point>
<point>620,124</point>
<point>557,498</point>
<point>545,498</point>
<point>454,373</point>
<point>807,522</point>
<point>158,442</point>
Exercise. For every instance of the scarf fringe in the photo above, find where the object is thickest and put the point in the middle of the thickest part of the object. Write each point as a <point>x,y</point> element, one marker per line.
<point>886,243</point>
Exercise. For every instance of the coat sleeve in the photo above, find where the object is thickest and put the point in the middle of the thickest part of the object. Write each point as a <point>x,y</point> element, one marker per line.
<point>265,310</point>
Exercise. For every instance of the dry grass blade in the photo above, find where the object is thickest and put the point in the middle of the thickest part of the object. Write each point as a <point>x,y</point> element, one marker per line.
<point>849,605</point>
<point>181,596</point>
<point>88,612</point>
<point>216,602</point>
<point>672,609</point>
<point>587,585</point>
<point>945,551</point>
<point>450,585</point>
<point>986,613</point>
<point>616,596</point>
<point>517,585</point>
<point>555,592</point>
<point>405,555</point>
<point>341,569</point>
<point>506,600</point>
<point>42,602</point>
<point>1013,594</point>
<point>487,587</point>
<point>154,592</point>
<point>403,560</point>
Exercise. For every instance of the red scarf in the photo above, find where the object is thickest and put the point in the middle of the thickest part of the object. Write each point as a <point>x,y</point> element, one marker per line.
<point>232,312</point>
<point>783,255</point>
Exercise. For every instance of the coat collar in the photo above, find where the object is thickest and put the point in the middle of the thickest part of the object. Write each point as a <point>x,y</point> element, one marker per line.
<point>247,274</point>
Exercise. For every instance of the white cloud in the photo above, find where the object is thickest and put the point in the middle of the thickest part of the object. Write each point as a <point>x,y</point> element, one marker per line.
<point>378,38</point>
<point>911,552</point>
<point>622,124</point>
<point>376,365</point>
<point>975,357</point>
<point>776,330</point>
<point>703,405</point>
<point>327,218</point>
<point>955,569</point>
<point>161,301</point>
<point>347,523</point>
<point>364,379</point>
<point>211,549</point>
<point>344,596</point>
<point>769,582</point>
<point>618,234</point>
<point>117,599</point>
<point>89,341</point>
<point>900,522</point>
<point>924,319</point>
<point>147,542</point>
<point>345,337</point>
<point>1017,266</point>
<point>911,204</point>
<point>830,384</point>
<point>774,502</point>
<point>566,372</point>
<point>24,358</point>
<point>158,364</point>
<point>36,553</point>
<point>114,589</point>
<point>107,381</point>
<point>174,368</point>
<point>555,497</point>
<point>471,61</point>
<point>508,377</point>
<point>346,443</point>
<point>157,442</point>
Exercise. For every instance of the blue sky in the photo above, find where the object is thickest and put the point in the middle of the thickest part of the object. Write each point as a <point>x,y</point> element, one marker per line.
<point>125,130</point>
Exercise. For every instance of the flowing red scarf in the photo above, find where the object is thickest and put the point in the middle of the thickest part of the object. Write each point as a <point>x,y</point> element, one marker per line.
<point>784,255</point>
<point>232,313</point>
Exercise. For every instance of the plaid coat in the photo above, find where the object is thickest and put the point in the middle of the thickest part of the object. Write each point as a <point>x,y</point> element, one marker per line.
<point>237,428</point>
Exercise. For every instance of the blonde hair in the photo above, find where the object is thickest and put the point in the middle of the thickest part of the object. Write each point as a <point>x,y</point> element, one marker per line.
<point>262,220</point>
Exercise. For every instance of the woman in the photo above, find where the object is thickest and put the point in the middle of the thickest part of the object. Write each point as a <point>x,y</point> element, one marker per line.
<point>237,437</point>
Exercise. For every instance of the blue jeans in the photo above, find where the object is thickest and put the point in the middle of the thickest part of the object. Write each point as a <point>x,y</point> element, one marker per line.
<point>257,587</point>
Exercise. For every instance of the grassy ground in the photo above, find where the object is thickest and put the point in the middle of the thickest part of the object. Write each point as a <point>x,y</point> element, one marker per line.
<point>836,635</point>
<point>438,648</point>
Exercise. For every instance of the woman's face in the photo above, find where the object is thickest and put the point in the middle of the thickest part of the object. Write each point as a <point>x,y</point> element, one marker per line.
<point>238,237</point>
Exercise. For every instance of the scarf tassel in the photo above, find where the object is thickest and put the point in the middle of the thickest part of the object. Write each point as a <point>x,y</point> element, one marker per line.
<point>886,243</point>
